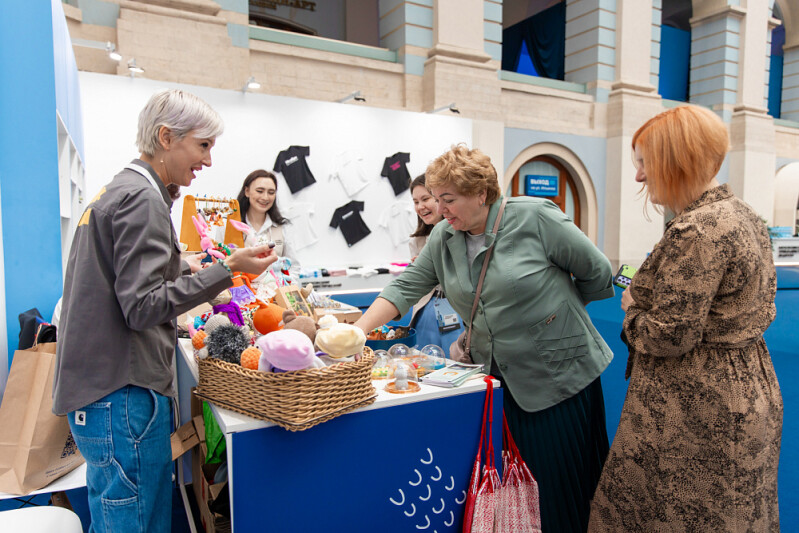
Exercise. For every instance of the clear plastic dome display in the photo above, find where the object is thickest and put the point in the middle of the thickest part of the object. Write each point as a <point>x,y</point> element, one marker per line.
<point>404,377</point>
<point>381,369</point>
<point>432,357</point>
<point>399,351</point>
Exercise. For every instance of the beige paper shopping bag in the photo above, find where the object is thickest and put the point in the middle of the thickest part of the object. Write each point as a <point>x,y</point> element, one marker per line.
<point>36,446</point>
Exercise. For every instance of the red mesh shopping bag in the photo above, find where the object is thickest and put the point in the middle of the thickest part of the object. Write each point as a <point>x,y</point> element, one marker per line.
<point>483,495</point>
<point>518,509</point>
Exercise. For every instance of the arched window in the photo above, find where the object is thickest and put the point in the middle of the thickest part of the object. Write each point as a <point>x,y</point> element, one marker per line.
<point>545,177</point>
<point>675,49</point>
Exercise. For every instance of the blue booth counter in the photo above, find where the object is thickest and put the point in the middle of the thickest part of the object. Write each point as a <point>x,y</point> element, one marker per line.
<point>400,464</point>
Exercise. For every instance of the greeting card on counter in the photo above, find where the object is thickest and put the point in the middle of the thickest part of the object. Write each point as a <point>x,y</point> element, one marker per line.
<point>452,375</point>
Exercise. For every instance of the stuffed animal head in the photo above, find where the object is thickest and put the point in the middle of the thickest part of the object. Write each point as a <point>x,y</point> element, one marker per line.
<point>267,319</point>
<point>341,340</point>
<point>214,322</point>
<point>326,321</point>
<point>303,324</point>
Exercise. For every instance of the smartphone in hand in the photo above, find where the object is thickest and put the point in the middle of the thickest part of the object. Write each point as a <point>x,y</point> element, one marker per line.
<point>624,276</point>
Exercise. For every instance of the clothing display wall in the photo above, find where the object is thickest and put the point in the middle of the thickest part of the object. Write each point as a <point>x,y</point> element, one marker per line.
<point>345,148</point>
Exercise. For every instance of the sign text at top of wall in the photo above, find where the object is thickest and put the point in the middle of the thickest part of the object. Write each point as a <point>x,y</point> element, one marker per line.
<point>272,4</point>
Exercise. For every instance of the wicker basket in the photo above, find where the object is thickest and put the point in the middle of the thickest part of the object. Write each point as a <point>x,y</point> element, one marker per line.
<point>293,400</point>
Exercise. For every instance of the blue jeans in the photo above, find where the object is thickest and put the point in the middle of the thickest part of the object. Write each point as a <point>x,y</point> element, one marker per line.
<point>124,438</point>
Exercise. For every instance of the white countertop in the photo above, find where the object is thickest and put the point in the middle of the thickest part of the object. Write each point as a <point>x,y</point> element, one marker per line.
<point>232,422</point>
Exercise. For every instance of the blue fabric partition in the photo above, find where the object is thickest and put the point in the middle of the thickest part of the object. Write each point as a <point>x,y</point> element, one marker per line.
<point>675,58</point>
<point>544,36</point>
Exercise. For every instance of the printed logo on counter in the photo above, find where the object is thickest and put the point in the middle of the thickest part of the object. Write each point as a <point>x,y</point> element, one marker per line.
<point>430,498</point>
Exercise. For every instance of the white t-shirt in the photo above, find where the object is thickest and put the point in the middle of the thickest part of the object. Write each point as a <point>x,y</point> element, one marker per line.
<point>400,220</point>
<point>300,230</point>
<point>348,168</point>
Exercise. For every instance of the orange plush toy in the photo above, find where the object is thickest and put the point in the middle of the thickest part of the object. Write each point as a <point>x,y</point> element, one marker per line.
<point>267,318</point>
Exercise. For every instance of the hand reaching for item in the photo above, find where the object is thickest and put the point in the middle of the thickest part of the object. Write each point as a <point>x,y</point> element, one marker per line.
<point>195,261</point>
<point>252,260</point>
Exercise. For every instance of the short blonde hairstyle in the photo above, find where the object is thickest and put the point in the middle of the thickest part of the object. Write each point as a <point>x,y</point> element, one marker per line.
<point>683,149</point>
<point>181,112</point>
<point>469,170</point>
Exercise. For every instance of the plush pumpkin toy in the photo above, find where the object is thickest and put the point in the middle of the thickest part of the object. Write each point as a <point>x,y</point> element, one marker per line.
<point>250,358</point>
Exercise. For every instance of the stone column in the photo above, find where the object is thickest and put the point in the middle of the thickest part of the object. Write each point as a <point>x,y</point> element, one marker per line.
<point>457,63</point>
<point>753,155</point>
<point>591,46</point>
<point>790,82</point>
<point>629,235</point>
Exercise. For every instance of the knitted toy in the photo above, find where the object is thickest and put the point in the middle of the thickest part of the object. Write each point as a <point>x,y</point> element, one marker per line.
<point>341,340</point>
<point>303,324</point>
<point>325,321</point>
<point>226,342</point>
<point>286,350</point>
<point>198,339</point>
<point>250,358</point>
<point>214,322</point>
<point>267,318</point>
<point>206,243</point>
<point>281,271</point>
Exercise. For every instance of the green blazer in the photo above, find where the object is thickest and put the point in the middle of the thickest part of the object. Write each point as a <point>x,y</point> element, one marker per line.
<point>531,318</point>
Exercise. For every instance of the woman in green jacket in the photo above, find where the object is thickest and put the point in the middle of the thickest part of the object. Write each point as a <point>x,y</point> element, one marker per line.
<point>530,329</point>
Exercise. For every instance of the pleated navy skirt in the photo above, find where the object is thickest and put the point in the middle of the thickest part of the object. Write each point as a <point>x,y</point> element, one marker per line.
<point>565,447</point>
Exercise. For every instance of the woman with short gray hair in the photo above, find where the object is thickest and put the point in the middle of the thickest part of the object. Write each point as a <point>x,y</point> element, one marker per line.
<point>125,284</point>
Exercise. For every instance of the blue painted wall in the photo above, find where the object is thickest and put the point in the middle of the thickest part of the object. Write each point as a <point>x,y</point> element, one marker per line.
<point>29,164</point>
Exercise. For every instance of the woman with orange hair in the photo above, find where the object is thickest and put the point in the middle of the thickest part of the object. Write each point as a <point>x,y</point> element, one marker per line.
<point>698,442</point>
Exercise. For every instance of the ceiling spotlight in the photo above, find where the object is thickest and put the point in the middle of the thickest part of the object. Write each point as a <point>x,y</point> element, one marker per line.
<point>133,68</point>
<point>112,51</point>
<point>357,96</point>
<point>251,85</point>
<point>452,107</point>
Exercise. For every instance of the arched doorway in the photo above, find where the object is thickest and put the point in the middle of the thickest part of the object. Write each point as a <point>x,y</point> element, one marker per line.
<point>545,177</point>
<point>577,174</point>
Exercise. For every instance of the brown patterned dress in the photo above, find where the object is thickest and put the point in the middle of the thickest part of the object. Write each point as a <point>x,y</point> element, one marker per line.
<point>698,442</point>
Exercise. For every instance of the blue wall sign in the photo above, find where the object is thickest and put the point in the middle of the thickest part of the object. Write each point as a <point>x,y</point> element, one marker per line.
<point>535,185</point>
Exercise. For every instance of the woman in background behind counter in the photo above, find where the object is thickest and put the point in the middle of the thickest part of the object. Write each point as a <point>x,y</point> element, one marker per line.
<point>258,202</point>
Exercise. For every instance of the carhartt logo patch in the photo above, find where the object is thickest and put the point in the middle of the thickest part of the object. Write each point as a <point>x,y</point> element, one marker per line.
<point>80,418</point>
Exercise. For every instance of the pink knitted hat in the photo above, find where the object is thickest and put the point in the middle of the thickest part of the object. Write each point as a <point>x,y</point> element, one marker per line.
<point>287,349</point>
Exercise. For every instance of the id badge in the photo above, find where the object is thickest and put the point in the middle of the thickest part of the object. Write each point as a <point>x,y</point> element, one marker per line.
<point>446,317</point>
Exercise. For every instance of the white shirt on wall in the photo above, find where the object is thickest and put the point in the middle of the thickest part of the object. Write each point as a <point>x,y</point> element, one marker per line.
<point>400,220</point>
<point>300,230</point>
<point>348,168</point>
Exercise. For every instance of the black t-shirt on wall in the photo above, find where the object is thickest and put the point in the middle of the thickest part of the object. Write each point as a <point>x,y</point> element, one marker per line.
<point>397,173</point>
<point>291,163</point>
<point>348,218</point>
